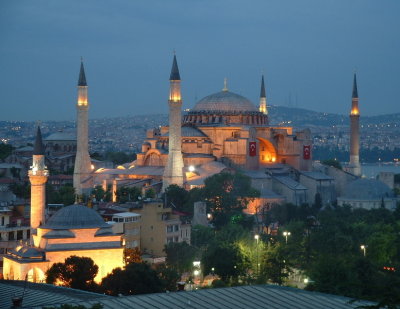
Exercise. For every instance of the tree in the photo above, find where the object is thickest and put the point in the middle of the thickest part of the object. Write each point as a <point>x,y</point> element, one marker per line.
<point>274,266</point>
<point>227,194</point>
<point>317,201</point>
<point>201,235</point>
<point>132,255</point>
<point>76,272</point>
<point>120,157</point>
<point>100,194</point>
<point>177,196</point>
<point>168,276</point>
<point>180,256</point>
<point>65,195</point>
<point>136,278</point>
<point>225,260</point>
<point>150,193</point>
<point>127,194</point>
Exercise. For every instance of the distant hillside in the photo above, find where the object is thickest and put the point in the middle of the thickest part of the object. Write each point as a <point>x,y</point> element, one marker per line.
<point>300,117</point>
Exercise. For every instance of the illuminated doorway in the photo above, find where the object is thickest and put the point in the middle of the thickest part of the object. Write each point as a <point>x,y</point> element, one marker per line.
<point>267,151</point>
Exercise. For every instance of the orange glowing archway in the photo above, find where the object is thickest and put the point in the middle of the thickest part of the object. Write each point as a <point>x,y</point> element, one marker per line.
<point>267,151</point>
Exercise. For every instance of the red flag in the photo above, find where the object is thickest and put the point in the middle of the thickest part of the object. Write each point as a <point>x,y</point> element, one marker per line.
<point>306,152</point>
<point>252,149</point>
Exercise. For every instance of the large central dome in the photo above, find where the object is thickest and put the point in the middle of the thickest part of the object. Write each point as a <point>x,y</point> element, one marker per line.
<point>225,101</point>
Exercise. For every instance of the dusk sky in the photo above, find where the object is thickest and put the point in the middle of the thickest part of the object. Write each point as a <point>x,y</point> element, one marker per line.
<point>307,50</point>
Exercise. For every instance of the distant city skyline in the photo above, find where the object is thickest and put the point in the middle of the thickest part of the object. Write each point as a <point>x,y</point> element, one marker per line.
<point>307,51</point>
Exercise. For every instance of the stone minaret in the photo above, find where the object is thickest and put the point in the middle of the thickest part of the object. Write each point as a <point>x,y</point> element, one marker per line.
<point>38,175</point>
<point>173,173</point>
<point>263,98</point>
<point>82,168</point>
<point>354,165</point>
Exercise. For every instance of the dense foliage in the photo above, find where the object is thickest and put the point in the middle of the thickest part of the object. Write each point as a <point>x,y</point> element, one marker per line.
<point>135,278</point>
<point>76,272</point>
<point>65,195</point>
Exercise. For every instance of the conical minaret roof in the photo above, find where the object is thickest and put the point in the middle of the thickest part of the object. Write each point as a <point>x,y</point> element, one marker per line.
<point>175,71</point>
<point>355,92</point>
<point>82,77</point>
<point>39,148</point>
<point>262,92</point>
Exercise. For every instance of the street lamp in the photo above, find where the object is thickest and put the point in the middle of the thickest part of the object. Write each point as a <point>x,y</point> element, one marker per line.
<point>257,237</point>
<point>364,249</point>
<point>286,234</point>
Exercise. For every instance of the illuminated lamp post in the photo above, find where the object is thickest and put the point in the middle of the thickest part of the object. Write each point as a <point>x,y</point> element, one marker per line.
<point>257,237</point>
<point>286,234</point>
<point>364,249</point>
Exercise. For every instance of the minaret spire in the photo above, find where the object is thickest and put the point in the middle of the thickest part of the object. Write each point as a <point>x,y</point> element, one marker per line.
<point>174,70</point>
<point>38,175</point>
<point>173,172</point>
<point>263,98</point>
<point>39,148</point>
<point>82,76</point>
<point>354,165</point>
<point>82,169</point>
<point>355,91</point>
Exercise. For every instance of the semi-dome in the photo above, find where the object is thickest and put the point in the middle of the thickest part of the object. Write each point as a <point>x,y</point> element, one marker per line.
<point>75,217</point>
<point>225,101</point>
<point>367,189</point>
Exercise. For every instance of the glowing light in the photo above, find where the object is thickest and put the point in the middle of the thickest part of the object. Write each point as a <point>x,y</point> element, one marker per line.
<point>273,159</point>
<point>355,111</point>
<point>175,97</point>
<point>92,166</point>
<point>191,168</point>
<point>196,263</point>
<point>196,272</point>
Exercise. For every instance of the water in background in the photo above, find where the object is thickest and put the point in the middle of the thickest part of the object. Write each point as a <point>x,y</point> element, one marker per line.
<point>372,170</point>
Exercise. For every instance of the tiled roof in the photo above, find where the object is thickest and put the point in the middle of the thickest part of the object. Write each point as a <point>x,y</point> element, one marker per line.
<point>249,297</point>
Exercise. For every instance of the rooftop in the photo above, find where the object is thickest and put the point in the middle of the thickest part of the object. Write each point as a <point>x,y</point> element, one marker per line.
<point>75,217</point>
<point>249,297</point>
<point>225,101</point>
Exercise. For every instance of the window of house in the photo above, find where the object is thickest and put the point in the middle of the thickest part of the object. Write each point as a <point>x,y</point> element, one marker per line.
<point>19,235</point>
<point>170,228</point>
<point>176,228</point>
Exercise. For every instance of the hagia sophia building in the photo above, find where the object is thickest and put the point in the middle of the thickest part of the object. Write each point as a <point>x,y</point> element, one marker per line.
<point>222,131</point>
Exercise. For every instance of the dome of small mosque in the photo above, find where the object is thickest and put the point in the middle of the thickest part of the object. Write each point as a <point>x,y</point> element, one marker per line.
<point>75,217</point>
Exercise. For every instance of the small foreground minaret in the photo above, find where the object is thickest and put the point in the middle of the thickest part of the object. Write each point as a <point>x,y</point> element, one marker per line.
<point>173,173</point>
<point>82,169</point>
<point>354,165</point>
<point>38,175</point>
<point>263,98</point>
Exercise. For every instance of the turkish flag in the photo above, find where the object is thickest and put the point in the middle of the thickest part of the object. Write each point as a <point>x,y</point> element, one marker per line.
<point>252,149</point>
<point>306,152</point>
